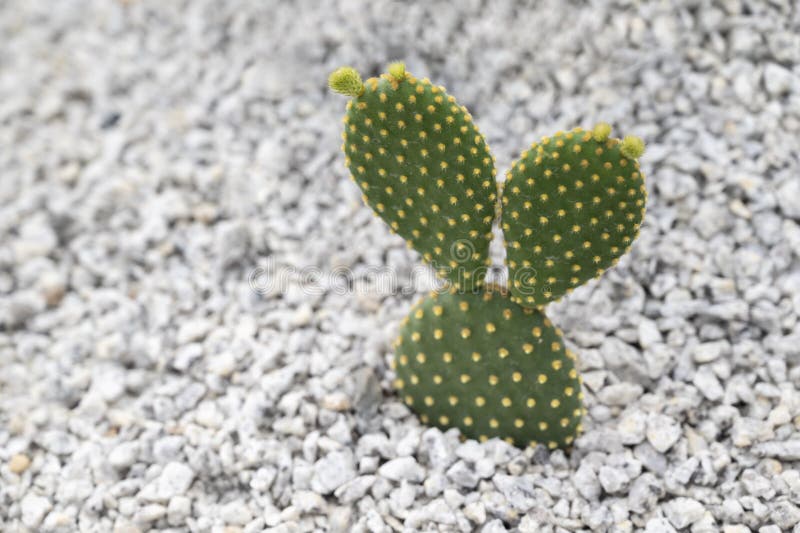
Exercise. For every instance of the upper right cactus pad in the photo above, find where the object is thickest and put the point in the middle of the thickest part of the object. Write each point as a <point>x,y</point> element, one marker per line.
<point>572,205</point>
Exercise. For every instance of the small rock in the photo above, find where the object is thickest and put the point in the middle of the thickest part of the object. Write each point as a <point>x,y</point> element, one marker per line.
<point>658,525</point>
<point>402,468</point>
<point>470,451</point>
<point>779,416</point>
<point>789,198</point>
<point>518,490</point>
<point>19,463</point>
<point>785,514</point>
<point>336,401</point>
<point>123,455</point>
<point>193,331</point>
<point>494,526</point>
<point>333,471</point>
<point>707,383</point>
<point>475,512</point>
<point>786,451</point>
<point>308,502</point>
<point>682,512</point>
<point>57,442</point>
<point>440,454</point>
<point>33,508</point>
<point>434,484</point>
<point>710,351</point>
<point>175,479</point>
<point>777,79</point>
<point>354,489</point>
<point>53,288</point>
<point>403,496</point>
<point>662,432</point>
<point>612,479</point>
<point>620,393</point>
<point>632,427</point>
<point>649,334</point>
<point>150,513</point>
<point>237,513</point>
<point>169,448</point>
<point>462,475</point>
<point>223,364</point>
<point>585,481</point>
<point>706,524</point>
<point>645,493</point>
<point>179,508</point>
<point>756,484</point>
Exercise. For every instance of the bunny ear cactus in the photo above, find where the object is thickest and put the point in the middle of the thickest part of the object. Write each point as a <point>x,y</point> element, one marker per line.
<point>483,358</point>
<point>423,167</point>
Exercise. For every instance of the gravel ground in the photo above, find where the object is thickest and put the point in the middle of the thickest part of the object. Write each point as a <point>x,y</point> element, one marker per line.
<point>163,162</point>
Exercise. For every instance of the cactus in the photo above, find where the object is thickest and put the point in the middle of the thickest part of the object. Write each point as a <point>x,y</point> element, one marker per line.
<point>480,362</point>
<point>572,205</point>
<point>422,166</point>
<point>484,358</point>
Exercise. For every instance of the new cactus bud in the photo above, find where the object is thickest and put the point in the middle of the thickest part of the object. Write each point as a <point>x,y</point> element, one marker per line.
<point>632,147</point>
<point>346,81</point>
<point>482,363</point>
<point>572,205</point>
<point>423,166</point>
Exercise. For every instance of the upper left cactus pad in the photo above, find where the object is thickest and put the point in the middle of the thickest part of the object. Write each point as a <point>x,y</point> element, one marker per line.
<point>423,166</point>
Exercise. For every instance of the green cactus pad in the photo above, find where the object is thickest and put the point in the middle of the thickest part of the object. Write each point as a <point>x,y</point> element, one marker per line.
<point>572,205</point>
<point>479,362</point>
<point>425,168</point>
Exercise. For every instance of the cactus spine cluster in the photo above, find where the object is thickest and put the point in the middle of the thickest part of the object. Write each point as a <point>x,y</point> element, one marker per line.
<point>483,358</point>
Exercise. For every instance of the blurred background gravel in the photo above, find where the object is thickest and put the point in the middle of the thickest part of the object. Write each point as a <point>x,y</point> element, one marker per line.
<point>158,158</point>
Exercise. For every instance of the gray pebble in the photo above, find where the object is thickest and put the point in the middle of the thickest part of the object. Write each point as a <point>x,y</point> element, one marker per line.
<point>124,455</point>
<point>662,432</point>
<point>518,490</point>
<point>34,508</point>
<point>333,471</point>
<point>462,475</point>
<point>175,480</point>
<point>659,525</point>
<point>179,508</point>
<point>785,514</point>
<point>494,526</point>
<point>777,79</point>
<point>620,393</point>
<point>353,490</point>
<point>710,351</point>
<point>683,512</point>
<point>586,482</point>
<point>57,442</point>
<point>402,468</point>
<point>149,513</point>
<point>644,493</point>
<point>612,479</point>
<point>789,198</point>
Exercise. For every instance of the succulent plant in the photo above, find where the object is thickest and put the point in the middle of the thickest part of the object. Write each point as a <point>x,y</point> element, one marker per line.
<point>480,357</point>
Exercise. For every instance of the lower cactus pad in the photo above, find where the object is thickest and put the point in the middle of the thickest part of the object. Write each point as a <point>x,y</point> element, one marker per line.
<point>480,362</point>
